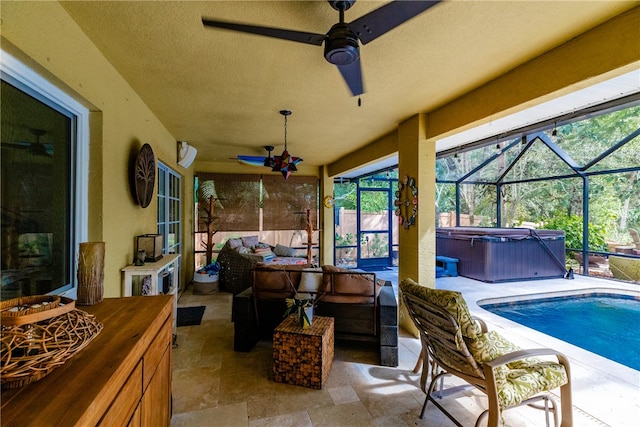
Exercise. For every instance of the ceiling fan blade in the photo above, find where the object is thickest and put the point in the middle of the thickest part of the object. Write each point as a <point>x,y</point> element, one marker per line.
<point>374,24</point>
<point>20,145</point>
<point>278,33</point>
<point>352,75</point>
<point>251,160</point>
<point>35,148</point>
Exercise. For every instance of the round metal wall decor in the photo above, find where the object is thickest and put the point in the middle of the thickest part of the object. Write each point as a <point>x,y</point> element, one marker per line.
<point>406,202</point>
<point>145,175</point>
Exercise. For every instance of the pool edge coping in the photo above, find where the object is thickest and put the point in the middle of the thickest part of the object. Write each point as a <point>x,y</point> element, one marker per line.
<point>556,294</point>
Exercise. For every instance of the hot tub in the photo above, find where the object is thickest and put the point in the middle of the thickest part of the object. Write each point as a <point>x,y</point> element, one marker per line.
<point>503,254</point>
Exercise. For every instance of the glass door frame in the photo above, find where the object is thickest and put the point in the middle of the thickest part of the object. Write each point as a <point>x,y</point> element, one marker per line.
<point>373,262</point>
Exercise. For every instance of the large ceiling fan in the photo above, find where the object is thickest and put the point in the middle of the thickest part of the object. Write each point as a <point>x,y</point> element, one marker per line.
<point>341,46</point>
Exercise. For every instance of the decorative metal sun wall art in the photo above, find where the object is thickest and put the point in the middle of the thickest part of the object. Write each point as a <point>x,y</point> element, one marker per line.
<point>406,202</point>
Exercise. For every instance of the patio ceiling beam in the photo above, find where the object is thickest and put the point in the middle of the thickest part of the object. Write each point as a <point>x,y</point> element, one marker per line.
<point>557,121</point>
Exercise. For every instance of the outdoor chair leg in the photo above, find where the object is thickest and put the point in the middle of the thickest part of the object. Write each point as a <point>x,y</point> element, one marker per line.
<point>416,369</point>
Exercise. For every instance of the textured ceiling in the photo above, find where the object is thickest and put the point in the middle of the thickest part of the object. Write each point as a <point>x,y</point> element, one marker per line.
<point>221,91</point>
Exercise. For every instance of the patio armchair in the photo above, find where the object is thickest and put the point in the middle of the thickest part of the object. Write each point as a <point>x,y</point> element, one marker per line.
<point>453,343</point>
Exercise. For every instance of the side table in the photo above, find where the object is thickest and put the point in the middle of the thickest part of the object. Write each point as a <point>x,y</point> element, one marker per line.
<point>303,356</point>
<point>153,269</point>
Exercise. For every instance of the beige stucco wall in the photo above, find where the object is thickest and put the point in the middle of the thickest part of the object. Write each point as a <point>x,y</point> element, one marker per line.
<point>44,37</point>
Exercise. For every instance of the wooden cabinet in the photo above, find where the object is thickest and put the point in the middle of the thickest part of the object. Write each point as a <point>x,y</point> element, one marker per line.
<point>123,377</point>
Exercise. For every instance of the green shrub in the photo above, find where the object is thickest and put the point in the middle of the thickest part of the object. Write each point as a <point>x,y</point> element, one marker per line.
<point>572,226</point>
<point>346,240</point>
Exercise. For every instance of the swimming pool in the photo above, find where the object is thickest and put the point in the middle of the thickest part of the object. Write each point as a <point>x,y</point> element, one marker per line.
<point>603,323</point>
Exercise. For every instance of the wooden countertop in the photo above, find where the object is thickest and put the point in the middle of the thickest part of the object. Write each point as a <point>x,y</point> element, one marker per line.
<point>81,390</point>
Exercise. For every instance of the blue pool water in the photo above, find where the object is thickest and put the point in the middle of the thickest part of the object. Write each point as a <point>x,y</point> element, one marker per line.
<point>606,324</point>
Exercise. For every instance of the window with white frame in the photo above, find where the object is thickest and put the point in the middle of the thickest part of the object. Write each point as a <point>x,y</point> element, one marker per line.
<point>44,137</point>
<point>169,209</point>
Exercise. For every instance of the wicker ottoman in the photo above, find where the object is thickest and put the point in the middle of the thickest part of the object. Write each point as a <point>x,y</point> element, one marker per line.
<point>303,356</point>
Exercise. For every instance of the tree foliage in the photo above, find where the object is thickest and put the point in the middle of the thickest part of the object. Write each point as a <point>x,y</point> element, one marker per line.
<point>614,194</point>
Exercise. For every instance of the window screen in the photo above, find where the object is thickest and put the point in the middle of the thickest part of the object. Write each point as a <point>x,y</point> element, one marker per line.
<point>237,201</point>
<point>285,203</point>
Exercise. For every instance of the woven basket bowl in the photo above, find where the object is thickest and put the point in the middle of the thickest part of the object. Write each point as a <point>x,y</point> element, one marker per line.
<point>42,334</point>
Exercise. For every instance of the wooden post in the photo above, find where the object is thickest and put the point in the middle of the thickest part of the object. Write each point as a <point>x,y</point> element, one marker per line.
<point>210,231</point>
<point>309,236</point>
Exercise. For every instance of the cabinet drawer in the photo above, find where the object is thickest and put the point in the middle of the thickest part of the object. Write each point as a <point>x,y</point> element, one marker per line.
<point>126,402</point>
<point>154,353</point>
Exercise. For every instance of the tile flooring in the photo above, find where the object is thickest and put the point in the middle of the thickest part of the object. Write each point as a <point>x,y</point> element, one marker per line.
<point>215,386</point>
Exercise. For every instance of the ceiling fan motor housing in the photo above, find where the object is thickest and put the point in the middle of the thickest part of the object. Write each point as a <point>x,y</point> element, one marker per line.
<point>341,45</point>
<point>341,4</point>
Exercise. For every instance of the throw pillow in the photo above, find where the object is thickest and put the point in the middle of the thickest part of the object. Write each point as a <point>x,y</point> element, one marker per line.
<point>249,241</point>
<point>349,286</point>
<point>311,280</point>
<point>243,250</point>
<point>281,250</point>
<point>234,243</point>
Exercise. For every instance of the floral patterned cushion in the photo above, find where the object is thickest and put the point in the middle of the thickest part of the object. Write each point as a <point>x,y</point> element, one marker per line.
<point>520,379</point>
<point>451,301</point>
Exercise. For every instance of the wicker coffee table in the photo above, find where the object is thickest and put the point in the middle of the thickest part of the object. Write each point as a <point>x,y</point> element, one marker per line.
<point>303,356</point>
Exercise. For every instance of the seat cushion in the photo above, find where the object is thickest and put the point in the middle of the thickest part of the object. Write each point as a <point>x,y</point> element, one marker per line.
<point>281,250</point>
<point>520,379</point>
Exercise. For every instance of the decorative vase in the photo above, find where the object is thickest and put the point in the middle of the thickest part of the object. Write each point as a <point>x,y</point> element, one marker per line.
<point>305,316</point>
<point>90,273</point>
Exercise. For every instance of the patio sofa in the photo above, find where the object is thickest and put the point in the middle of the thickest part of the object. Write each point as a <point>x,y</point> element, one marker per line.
<point>240,255</point>
<point>364,308</point>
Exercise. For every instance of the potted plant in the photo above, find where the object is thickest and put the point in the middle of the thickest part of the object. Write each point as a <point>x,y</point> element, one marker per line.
<point>302,306</point>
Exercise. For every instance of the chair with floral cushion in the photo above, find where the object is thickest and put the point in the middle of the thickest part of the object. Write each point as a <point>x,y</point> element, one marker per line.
<point>456,344</point>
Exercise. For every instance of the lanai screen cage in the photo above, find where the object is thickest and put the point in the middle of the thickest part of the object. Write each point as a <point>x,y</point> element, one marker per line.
<point>579,173</point>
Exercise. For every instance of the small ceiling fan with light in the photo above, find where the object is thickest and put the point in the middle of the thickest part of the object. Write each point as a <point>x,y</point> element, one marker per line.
<point>341,42</point>
<point>284,163</point>
<point>36,148</point>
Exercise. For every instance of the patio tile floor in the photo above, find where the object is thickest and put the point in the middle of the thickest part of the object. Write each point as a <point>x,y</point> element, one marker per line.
<point>215,386</point>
